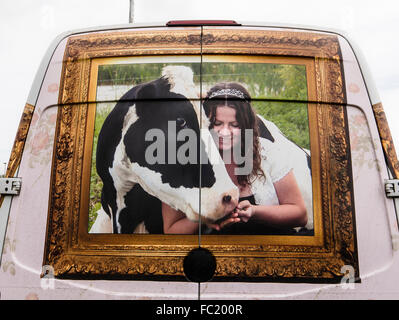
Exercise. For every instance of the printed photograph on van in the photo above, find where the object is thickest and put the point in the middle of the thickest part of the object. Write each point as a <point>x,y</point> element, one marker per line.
<point>214,144</point>
<point>161,163</point>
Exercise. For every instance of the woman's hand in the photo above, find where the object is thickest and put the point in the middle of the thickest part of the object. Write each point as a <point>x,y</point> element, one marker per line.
<point>289,213</point>
<point>232,218</point>
<point>245,210</point>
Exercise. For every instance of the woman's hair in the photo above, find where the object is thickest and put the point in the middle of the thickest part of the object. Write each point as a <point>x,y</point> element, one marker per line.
<point>237,97</point>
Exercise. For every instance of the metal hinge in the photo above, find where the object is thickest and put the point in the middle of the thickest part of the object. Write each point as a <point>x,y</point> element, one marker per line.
<point>10,186</point>
<point>392,188</point>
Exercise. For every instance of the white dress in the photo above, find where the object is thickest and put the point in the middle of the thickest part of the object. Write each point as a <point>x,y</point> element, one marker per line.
<point>275,167</point>
<point>278,158</point>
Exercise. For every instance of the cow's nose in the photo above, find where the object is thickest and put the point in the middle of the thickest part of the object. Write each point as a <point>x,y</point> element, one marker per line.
<point>226,199</point>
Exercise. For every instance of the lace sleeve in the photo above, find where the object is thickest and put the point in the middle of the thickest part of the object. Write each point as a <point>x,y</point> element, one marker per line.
<point>276,161</point>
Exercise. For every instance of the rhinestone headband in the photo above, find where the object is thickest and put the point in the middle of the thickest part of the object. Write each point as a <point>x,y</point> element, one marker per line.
<point>227,92</point>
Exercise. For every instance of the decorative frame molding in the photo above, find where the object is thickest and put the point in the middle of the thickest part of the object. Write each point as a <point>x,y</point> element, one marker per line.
<point>386,139</point>
<point>19,143</point>
<point>72,252</point>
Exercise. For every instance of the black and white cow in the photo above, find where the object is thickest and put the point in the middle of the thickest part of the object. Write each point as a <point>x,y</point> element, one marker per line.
<point>134,187</point>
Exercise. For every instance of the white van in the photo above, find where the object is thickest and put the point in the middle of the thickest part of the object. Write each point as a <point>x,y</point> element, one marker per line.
<point>90,190</point>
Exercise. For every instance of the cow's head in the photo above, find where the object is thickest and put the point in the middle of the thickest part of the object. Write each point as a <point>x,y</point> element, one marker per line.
<point>168,149</point>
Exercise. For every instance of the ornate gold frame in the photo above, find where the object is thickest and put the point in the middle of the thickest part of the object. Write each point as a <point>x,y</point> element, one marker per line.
<point>19,143</point>
<point>386,139</point>
<point>72,252</point>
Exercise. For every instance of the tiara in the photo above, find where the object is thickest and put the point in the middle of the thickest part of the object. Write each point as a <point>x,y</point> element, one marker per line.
<point>227,92</point>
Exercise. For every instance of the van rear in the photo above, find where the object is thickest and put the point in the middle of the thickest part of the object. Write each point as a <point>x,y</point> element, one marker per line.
<point>79,223</point>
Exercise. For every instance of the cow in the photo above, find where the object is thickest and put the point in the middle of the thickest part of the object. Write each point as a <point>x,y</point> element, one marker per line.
<point>133,186</point>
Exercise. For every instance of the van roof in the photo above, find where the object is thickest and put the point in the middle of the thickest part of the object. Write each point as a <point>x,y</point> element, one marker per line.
<point>37,83</point>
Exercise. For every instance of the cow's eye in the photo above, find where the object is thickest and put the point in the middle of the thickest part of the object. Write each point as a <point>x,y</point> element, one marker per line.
<point>180,122</point>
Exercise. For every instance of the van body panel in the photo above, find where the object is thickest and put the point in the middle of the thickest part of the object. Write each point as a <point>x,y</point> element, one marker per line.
<point>27,215</point>
<point>369,172</point>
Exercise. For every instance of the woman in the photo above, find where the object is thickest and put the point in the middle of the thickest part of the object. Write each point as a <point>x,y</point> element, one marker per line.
<point>228,108</point>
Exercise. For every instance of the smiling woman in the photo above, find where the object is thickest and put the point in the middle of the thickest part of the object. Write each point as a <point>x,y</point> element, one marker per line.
<point>228,106</point>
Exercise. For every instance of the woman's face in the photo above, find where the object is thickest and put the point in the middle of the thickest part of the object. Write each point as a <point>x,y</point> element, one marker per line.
<point>227,127</point>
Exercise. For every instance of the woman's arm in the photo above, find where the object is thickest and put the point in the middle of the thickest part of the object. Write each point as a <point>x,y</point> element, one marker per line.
<point>290,213</point>
<point>176,222</point>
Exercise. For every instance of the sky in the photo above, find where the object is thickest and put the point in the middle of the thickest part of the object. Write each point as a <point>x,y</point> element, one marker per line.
<point>27,27</point>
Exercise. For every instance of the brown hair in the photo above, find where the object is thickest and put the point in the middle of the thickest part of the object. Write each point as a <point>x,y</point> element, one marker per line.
<point>234,95</point>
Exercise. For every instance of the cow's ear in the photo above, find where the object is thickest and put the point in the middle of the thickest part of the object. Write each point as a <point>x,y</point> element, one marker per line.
<point>146,96</point>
